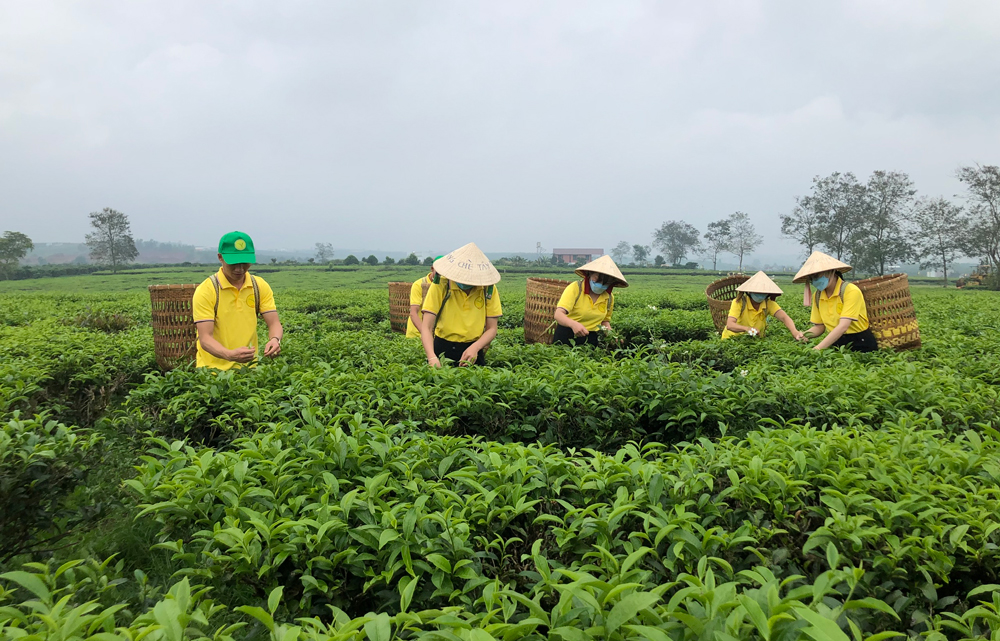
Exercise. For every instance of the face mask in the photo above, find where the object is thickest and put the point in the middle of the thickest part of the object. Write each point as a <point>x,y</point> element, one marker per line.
<point>464,288</point>
<point>758,298</point>
<point>821,282</point>
<point>598,288</point>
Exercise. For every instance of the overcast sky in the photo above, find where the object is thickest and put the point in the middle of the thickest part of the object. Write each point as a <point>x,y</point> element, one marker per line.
<point>419,126</point>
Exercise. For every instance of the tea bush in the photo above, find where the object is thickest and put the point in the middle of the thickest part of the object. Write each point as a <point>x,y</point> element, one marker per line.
<point>671,487</point>
<point>41,463</point>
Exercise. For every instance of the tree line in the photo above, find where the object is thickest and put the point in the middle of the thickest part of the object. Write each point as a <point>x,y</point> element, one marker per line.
<point>873,225</point>
<point>676,240</point>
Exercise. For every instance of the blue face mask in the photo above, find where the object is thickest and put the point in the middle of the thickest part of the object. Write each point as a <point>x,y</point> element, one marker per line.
<point>821,282</point>
<point>464,288</point>
<point>758,298</point>
<point>597,287</point>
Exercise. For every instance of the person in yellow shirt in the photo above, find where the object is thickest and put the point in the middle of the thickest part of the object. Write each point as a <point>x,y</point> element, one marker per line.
<point>838,307</point>
<point>414,322</point>
<point>585,307</point>
<point>755,303</point>
<point>461,308</point>
<point>226,306</point>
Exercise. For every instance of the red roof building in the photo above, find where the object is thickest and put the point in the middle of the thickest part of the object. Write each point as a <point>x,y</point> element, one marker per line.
<point>572,255</point>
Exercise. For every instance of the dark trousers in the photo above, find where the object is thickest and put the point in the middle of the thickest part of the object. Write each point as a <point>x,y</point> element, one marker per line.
<point>454,351</point>
<point>860,342</point>
<point>564,336</point>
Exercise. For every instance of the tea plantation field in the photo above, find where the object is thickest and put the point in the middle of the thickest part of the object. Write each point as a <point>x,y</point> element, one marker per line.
<point>675,488</point>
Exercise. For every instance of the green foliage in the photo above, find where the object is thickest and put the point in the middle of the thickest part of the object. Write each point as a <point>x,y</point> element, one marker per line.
<point>665,485</point>
<point>103,321</point>
<point>42,463</point>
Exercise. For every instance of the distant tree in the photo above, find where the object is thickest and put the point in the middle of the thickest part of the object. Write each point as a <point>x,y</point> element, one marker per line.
<point>352,260</point>
<point>13,247</point>
<point>412,259</point>
<point>743,237</point>
<point>658,261</point>
<point>940,228</point>
<point>388,261</point>
<point>883,241</point>
<point>641,254</point>
<point>802,226</point>
<point>675,238</point>
<point>311,261</point>
<point>621,252</point>
<point>717,240</point>
<point>324,252</point>
<point>982,182</point>
<point>837,202</point>
<point>111,242</point>
<point>429,261</point>
<point>274,261</point>
<point>371,260</point>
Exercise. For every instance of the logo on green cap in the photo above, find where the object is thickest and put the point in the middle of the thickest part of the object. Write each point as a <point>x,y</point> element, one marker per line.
<point>237,247</point>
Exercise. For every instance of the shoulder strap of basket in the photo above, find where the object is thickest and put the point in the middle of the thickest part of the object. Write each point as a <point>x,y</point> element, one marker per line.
<point>444,299</point>
<point>256,296</point>
<point>215,283</point>
<point>424,290</point>
<point>843,287</point>
<point>743,303</point>
<point>579,285</point>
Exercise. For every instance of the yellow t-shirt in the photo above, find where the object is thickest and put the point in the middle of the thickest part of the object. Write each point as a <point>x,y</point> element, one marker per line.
<point>416,298</point>
<point>463,318</point>
<point>750,317</point>
<point>831,310</point>
<point>236,325</point>
<point>583,309</point>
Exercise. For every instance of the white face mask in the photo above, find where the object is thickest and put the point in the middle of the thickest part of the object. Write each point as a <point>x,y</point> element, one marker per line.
<point>597,287</point>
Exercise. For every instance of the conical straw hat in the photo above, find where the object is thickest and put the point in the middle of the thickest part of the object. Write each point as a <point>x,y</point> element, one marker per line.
<point>759,283</point>
<point>467,265</point>
<point>819,262</point>
<point>604,265</point>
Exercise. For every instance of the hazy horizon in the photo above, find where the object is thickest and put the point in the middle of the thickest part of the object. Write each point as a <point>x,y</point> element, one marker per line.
<point>422,126</point>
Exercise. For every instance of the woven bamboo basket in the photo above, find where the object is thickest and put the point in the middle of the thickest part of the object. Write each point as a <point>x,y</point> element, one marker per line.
<point>540,307</point>
<point>174,334</point>
<point>399,304</point>
<point>720,296</point>
<point>890,311</point>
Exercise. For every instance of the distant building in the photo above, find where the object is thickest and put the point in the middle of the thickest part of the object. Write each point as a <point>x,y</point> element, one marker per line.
<point>572,255</point>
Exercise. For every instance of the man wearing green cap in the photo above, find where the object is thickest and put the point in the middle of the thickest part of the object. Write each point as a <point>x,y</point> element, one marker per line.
<point>226,306</point>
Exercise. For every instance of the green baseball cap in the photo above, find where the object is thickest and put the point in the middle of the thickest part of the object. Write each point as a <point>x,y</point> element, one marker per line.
<point>237,247</point>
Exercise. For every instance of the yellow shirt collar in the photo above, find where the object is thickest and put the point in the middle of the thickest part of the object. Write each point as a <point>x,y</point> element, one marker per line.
<point>224,282</point>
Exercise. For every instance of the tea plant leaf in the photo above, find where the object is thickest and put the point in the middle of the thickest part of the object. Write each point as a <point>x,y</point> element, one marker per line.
<point>871,604</point>
<point>757,616</point>
<point>628,607</point>
<point>29,582</point>
<point>821,628</point>
<point>379,628</point>
<point>274,599</point>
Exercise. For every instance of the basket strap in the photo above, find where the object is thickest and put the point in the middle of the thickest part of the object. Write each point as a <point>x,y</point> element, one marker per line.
<point>215,283</point>
<point>843,287</point>
<point>256,295</point>
<point>444,299</point>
